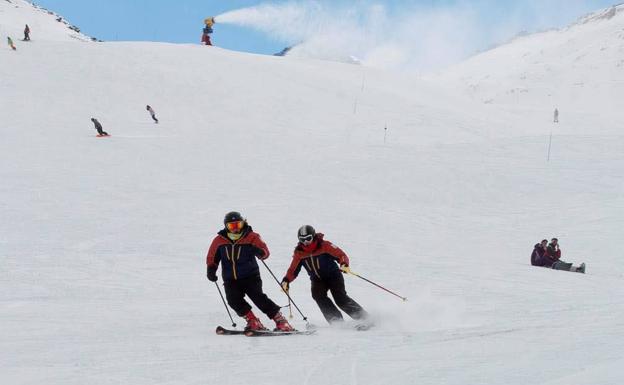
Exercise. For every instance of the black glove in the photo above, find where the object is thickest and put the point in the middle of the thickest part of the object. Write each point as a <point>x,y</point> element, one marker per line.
<point>212,274</point>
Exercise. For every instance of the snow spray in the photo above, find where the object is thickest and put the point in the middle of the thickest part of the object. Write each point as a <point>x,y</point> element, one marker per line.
<point>365,33</point>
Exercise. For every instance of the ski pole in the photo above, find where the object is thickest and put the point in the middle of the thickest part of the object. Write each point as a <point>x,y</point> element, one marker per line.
<point>224,304</point>
<point>285,292</point>
<point>290,309</point>
<point>379,286</point>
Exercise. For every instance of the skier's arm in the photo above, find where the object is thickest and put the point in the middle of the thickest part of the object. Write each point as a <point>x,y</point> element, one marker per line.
<point>212,258</point>
<point>293,270</point>
<point>337,253</point>
<point>262,250</point>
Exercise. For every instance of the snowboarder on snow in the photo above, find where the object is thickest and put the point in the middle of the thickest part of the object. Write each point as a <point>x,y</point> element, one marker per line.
<point>152,113</point>
<point>556,116</point>
<point>98,127</point>
<point>320,258</point>
<point>27,33</point>
<point>552,258</point>
<point>236,247</point>
<point>10,42</point>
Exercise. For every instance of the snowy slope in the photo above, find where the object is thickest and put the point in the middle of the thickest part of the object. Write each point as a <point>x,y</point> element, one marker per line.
<point>103,240</point>
<point>578,68</point>
<point>45,25</point>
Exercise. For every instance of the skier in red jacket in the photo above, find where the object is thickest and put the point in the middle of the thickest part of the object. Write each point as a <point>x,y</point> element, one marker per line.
<point>320,258</point>
<point>236,247</point>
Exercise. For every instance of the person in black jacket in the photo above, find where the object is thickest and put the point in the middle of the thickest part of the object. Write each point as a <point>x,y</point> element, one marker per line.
<point>321,259</point>
<point>236,247</point>
<point>98,127</point>
<point>152,113</point>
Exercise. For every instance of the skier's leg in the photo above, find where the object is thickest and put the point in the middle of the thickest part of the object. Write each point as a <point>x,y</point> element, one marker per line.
<point>346,303</point>
<point>319,294</point>
<point>561,265</point>
<point>236,298</point>
<point>253,288</point>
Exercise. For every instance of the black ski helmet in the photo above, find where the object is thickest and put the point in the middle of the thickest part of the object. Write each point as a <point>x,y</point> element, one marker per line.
<point>232,216</point>
<point>305,231</point>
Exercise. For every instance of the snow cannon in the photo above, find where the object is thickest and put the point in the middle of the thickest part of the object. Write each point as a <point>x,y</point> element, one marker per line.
<point>209,21</point>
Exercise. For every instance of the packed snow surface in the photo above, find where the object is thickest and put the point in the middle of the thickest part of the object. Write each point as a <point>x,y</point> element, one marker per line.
<point>103,240</point>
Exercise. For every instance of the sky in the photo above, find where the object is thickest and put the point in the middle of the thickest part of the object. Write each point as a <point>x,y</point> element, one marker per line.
<point>385,33</point>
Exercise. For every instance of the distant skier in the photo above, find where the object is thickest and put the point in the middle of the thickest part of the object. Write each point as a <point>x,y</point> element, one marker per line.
<point>320,258</point>
<point>552,258</point>
<point>556,116</point>
<point>236,247</point>
<point>152,113</point>
<point>10,42</point>
<point>98,127</point>
<point>27,33</point>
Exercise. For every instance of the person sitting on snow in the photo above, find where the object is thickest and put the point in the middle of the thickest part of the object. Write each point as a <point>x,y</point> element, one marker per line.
<point>538,252</point>
<point>552,258</point>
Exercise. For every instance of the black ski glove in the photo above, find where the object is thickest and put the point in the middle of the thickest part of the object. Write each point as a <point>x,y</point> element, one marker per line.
<point>212,274</point>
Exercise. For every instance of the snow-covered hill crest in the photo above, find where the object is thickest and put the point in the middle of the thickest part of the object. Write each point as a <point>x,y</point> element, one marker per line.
<point>45,25</point>
<point>577,67</point>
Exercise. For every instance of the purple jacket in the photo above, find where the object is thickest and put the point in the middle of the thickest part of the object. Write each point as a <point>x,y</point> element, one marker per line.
<point>539,257</point>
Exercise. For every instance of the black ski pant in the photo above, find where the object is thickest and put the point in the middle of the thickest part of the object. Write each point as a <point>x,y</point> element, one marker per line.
<point>336,286</point>
<point>235,291</point>
<point>154,117</point>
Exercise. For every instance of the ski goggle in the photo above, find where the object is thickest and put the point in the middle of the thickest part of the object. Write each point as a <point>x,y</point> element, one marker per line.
<point>234,226</point>
<point>306,238</point>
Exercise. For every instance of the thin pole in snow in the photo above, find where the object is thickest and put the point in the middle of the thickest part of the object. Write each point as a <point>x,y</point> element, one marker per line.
<point>549,143</point>
<point>363,77</point>
<point>385,131</point>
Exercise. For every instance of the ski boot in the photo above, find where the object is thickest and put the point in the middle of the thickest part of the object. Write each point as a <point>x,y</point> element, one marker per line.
<point>253,323</point>
<point>281,324</point>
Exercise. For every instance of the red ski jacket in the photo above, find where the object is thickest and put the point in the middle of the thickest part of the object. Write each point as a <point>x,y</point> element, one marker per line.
<point>238,258</point>
<point>320,263</point>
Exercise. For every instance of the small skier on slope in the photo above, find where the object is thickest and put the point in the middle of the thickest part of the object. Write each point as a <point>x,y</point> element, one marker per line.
<point>236,247</point>
<point>98,127</point>
<point>10,42</point>
<point>152,113</point>
<point>320,258</point>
